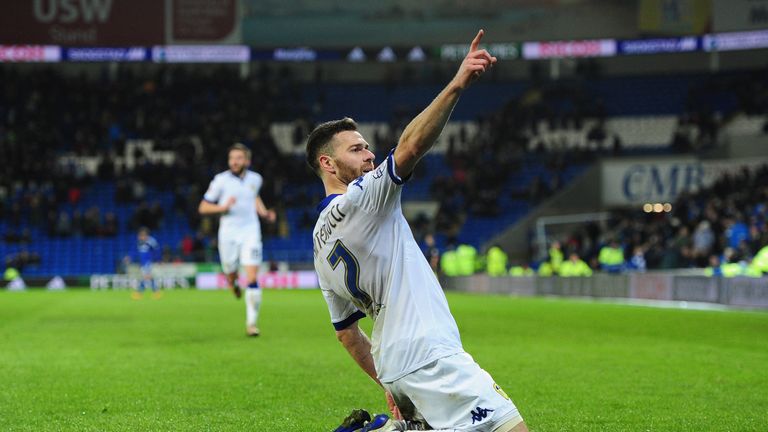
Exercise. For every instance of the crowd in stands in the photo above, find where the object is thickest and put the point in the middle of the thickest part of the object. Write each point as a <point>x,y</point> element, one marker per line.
<point>724,223</point>
<point>197,113</point>
<point>721,229</point>
<point>21,260</point>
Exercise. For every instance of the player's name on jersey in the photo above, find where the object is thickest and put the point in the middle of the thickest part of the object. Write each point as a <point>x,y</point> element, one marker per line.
<point>332,219</point>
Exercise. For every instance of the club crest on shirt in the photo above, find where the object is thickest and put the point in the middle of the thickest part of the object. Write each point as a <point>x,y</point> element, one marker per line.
<point>379,172</point>
<point>500,391</point>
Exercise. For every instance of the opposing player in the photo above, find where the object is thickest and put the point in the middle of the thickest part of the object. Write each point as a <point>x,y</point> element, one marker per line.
<point>234,194</point>
<point>368,263</point>
<point>147,251</point>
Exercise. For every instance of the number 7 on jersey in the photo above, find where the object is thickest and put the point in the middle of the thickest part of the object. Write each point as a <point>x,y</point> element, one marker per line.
<point>340,253</point>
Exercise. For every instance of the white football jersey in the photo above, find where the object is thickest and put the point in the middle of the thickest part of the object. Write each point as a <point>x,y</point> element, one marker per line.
<point>242,215</point>
<point>368,263</point>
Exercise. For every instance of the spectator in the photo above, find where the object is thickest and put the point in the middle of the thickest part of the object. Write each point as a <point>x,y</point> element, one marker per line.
<point>496,261</point>
<point>703,240</point>
<point>187,247</point>
<point>611,257</point>
<point>574,267</point>
<point>431,252</point>
<point>637,261</point>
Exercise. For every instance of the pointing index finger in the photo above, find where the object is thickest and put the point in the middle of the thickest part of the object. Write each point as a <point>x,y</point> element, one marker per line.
<point>476,41</point>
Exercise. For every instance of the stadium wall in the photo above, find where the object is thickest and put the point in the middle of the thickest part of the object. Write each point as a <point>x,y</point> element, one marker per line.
<point>662,286</point>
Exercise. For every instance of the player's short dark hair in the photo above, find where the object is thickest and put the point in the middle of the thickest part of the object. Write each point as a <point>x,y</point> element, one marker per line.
<point>241,147</point>
<point>319,139</point>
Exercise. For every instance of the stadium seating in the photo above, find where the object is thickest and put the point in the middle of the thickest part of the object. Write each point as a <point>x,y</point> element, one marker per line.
<point>641,111</point>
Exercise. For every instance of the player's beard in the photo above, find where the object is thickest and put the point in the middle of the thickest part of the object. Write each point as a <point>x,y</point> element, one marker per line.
<point>346,173</point>
<point>238,172</point>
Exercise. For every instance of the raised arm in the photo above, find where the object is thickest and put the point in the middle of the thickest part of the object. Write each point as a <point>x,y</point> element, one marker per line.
<point>422,132</point>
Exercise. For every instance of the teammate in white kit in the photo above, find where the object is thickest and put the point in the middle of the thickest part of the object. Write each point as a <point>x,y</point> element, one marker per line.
<point>368,263</point>
<point>234,194</point>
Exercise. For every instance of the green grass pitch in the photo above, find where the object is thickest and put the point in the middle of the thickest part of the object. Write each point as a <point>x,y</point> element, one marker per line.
<point>99,361</point>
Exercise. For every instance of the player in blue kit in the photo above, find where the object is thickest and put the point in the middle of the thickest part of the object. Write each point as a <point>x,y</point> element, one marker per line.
<point>368,263</point>
<point>147,252</point>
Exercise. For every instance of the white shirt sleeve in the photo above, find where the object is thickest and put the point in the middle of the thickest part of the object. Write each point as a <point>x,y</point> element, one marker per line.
<point>259,182</point>
<point>378,190</point>
<point>343,312</point>
<point>213,194</point>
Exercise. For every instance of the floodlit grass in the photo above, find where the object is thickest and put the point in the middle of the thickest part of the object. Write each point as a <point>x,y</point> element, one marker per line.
<point>82,360</point>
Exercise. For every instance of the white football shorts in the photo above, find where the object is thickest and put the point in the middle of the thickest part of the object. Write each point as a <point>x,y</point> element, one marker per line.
<point>453,393</point>
<point>241,248</point>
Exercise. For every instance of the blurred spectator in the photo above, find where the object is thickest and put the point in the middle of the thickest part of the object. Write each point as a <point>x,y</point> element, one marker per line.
<point>200,249</point>
<point>496,261</point>
<point>574,267</point>
<point>63,225</point>
<point>545,269</point>
<point>77,223</point>
<point>714,268</point>
<point>637,261</point>
<point>92,222</point>
<point>736,231</point>
<point>611,257</point>
<point>110,226</point>
<point>521,269</point>
<point>703,240</point>
<point>431,252</point>
<point>187,247</point>
<point>760,261</point>
<point>22,259</point>
<point>449,262</point>
<point>555,254</point>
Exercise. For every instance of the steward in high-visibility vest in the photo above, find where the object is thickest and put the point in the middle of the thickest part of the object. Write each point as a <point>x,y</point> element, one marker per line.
<point>467,255</point>
<point>611,257</point>
<point>575,267</point>
<point>545,269</point>
<point>449,263</point>
<point>11,274</point>
<point>556,256</point>
<point>521,270</point>
<point>760,261</point>
<point>496,262</point>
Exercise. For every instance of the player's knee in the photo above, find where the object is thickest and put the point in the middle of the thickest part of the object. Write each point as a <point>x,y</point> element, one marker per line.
<point>515,424</point>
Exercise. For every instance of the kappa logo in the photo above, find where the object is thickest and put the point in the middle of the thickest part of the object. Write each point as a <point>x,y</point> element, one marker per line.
<point>480,415</point>
<point>358,182</point>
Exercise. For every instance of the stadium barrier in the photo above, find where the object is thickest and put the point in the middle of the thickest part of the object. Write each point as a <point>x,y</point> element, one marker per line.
<point>121,281</point>
<point>50,282</point>
<point>206,281</point>
<point>669,286</point>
